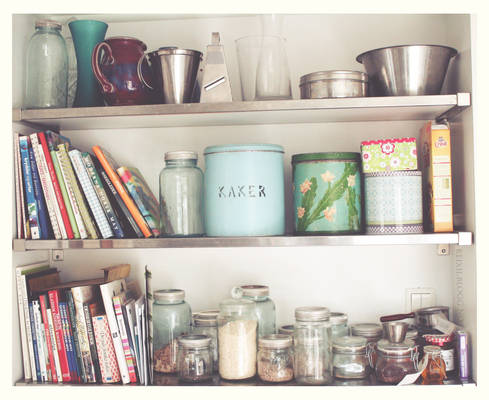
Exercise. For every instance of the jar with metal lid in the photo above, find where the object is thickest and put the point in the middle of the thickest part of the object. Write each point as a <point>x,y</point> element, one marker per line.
<point>395,360</point>
<point>332,84</point>
<point>171,318</point>
<point>181,191</point>
<point>194,361</point>
<point>275,358</point>
<point>205,323</point>
<point>372,332</point>
<point>286,330</point>
<point>237,338</point>
<point>435,370</point>
<point>339,325</point>
<point>312,353</point>
<point>351,357</point>
<point>446,343</point>
<point>264,306</point>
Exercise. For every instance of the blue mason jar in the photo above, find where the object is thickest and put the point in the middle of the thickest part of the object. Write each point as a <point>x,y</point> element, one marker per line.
<point>181,195</point>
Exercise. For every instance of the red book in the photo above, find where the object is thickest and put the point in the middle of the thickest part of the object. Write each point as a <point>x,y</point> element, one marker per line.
<point>57,189</point>
<point>58,332</point>
<point>42,302</point>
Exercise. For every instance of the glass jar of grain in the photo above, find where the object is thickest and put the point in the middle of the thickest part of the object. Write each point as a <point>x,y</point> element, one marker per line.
<point>275,358</point>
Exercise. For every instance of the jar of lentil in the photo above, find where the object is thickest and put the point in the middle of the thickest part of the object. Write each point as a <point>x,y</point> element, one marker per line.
<point>194,360</point>
<point>275,358</point>
<point>237,328</point>
<point>351,357</point>
<point>205,323</point>
<point>171,318</point>
<point>395,360</point>
<point>312,353</point>
<point>339,325</point>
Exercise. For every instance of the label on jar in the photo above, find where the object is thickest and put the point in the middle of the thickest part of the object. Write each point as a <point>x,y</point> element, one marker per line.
<point>449,357</point>
<point>411,378</point>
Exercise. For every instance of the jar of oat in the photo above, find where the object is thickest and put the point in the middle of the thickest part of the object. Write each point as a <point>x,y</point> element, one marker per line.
<point>275,358</point>
<point>237,336</point>
<point>171,318</point>
<point>205,323</point>
<point>194,361</point>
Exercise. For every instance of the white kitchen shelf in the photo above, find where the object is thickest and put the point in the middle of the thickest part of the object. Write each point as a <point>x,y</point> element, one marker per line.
<point>397,108</point>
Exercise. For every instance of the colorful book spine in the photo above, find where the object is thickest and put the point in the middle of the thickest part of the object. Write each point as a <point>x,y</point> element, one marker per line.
<point>68,338</point>
<point>47,188</point>
<point>80,201</point>
<point>57,189</point>
<point>42,211</point>
<point>58,330</point>
<point>102,196</point>
<point>39,339</point>
<point>109,368</point>
<point>29,189</point>
<point>43,301</point>
<point>76,335</point>
<point>90,195</point>
<point>117,300</point>
<point>105,161</point>
<point>19,190</point>
<point>91,341</point>
<point>22,323</point>
<point>128,313</point>
<point>52,335</point>
<point>34,344</point>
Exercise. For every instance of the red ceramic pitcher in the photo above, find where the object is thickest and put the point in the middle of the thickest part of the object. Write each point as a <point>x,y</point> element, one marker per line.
<point>114,64</point>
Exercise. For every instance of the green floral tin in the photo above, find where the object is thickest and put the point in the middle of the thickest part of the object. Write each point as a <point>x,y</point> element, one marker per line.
<point>327,193</point>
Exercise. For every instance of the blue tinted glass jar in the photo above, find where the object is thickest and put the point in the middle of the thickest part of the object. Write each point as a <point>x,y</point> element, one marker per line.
<point>264,306</point>
<point>339,325</point>
<point>171,318</point>
<point>46,84</point>
<point>181,193</point>
<point>205,323</point>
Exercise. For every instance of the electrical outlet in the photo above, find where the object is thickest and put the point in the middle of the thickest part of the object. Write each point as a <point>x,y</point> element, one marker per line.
<point>417,298</point>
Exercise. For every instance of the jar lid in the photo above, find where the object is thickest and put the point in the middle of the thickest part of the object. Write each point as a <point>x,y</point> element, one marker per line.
<point>333,156</point>
<point>311,314</point>
<point>337,318</point>
<point>194,341</point>
<point>438,340</point>
<point>395,349</point>
<point>181,155</point>
<point>169,295</point>
<point>410,172</point>
<point>333,74</point>
<point>286,329</point>
<point>232,148</point>
<point>172,50</point>
<point>275,341</point>
<point>432,350</point>
<point>205,318</point>
<point>236,305</point>
<point>255,290</point>
<point>433,309</point>
<point>47,23</point>
<point>367,330</point>
<point>350,344</point>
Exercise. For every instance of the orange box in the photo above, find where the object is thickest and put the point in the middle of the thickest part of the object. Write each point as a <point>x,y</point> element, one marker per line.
<point>436,164</point>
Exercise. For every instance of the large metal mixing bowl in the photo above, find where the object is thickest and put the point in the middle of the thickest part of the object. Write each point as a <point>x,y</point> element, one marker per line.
<point>410,70</point>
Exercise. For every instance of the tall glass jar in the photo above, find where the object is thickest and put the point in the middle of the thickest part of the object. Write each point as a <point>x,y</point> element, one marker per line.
<point>275,358</point>
<point>339,325</point>
<point>351,357</point>
<point>171,318</point>
<point>181,183</point>
<point>46,83</point>
<point>265,307</point>
<point>237,339</point>
<point>205,323</point>
<point>312,353</point>
<point>395,360</point>
<point>194,361</point>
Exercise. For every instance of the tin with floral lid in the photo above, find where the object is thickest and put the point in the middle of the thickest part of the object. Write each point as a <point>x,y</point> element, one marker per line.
<point>327,193</point>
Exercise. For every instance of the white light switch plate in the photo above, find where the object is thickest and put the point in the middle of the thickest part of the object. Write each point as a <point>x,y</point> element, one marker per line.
<point>417,298</point>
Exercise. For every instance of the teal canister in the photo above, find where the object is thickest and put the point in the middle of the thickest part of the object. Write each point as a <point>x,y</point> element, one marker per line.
<point>327,193</point>
<point>244,190</point>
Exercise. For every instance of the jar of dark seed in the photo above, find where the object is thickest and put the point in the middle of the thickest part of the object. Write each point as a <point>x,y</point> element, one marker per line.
<point>194,360</point>
<point>275,358</point>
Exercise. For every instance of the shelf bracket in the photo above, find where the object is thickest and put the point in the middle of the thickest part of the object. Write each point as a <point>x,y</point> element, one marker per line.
<point>463,101</point>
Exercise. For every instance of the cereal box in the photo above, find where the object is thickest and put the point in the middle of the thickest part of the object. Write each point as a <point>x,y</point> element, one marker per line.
<point>389,155</point>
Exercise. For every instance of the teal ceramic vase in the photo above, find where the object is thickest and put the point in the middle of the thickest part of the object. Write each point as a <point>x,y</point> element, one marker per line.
<point>86,35</point>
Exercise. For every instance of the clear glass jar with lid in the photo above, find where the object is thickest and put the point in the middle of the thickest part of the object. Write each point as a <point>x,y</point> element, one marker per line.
<point>181,193</point>
<point>395,360</point>
<point>171,318</point>
<point>275,358</point>
<point>372,332</point>
<point>312,353</point>
<point>265,307</point>
<point>435,371</point>
<point>46,83</point>
<point>194,361</point>
<point>205,323</point>
<point>351,357</point>
<point>339,325</point>
<point>237,339</point>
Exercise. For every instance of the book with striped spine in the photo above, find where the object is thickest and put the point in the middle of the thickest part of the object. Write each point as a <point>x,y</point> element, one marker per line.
<point>39,338</point>
<point>118,300</point>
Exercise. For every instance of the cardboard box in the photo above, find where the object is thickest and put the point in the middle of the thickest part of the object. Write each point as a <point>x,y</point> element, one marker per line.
<point>436,164</point>
<point>389,155</point>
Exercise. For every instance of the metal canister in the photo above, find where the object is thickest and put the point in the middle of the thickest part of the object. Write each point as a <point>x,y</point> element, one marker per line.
<point>327,193</point>
<point>244,190</point>
<point>331,84</point>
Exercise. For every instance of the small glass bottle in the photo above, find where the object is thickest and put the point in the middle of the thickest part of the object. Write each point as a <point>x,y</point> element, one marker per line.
<point>312,352</point>
<point>46,84</point>
<point>194,361</point>
<point>351,357</point>
<point>181,194</point>
<point>171,318</point>
<point>205,323</point>
<point>275,358</point>
<point>435,371</point>
<point>339,325</point>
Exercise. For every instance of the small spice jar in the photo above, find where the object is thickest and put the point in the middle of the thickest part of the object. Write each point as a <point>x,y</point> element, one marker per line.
<point>275,358</point>
<point>446,343</point>
<point>312,353</point>
<point>351,357</point>
<point>434,373</point>
<point>205,323</point>
<point>194,360</point>
<point>395,360</point>
<point>237,328</point>
<point>339,325</point>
